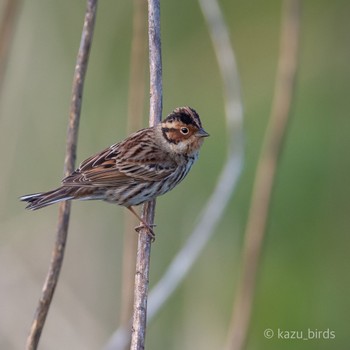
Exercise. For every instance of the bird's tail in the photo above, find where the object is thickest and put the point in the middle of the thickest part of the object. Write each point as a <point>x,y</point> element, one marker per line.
<point>40,200</point>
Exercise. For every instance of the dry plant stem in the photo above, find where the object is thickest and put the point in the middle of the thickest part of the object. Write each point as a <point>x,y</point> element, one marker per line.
<point>138,335</point>
<point>227,180</point>
<point>64,208</point>
<point>265,176</point>
<point>135,111</point>
<point>7,28</point>
<point>144,242</point>
<point>155,62</point>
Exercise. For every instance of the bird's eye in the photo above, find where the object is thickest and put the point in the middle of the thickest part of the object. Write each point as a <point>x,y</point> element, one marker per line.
<point>184,131</point>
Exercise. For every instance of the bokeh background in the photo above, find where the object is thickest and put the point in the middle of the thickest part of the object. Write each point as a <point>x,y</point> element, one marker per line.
<point>304,280</point>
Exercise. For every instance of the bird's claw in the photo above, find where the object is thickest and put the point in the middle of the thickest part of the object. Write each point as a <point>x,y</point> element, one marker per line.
<point>149,228</point>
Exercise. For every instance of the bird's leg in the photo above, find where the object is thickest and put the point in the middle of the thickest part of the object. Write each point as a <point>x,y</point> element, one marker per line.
<point>144,224</point>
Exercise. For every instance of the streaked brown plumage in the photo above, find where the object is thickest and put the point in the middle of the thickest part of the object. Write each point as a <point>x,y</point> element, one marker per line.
<point>147,164</point>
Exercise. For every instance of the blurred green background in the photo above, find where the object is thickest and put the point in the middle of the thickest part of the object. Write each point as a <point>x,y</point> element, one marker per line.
<point>304,281</point>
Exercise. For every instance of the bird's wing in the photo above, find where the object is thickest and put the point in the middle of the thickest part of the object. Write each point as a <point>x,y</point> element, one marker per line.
<point>119,165</point>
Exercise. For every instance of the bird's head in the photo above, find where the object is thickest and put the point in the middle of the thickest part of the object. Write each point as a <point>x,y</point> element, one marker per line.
<point>182,130</point>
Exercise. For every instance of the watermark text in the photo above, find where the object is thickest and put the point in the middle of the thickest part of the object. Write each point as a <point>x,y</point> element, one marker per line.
<point>293,334</point>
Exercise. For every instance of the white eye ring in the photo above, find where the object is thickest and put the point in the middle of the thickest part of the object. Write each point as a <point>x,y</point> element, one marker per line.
<point>184,131</point>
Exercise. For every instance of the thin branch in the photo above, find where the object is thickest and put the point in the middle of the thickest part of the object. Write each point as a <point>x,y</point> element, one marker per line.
<point>155,62</point>
<point>136,95</point>
<point>138,335</point>
<point>7,28</point>
<point>227,180</point>
<point>265,176</point>
<point>64,208</point>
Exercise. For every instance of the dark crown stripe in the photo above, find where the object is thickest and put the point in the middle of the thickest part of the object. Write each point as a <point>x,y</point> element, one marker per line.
<point>185,118</point>
<point>186,115</point>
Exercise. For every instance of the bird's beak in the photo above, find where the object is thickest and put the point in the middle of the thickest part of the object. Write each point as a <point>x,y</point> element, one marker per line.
<point>201,133</point>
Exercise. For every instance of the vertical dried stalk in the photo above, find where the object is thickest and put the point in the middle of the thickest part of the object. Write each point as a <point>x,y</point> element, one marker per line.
<point>265,176</point>
<point>7,27</point>
<point>144,242</point>
<point>135,111</point>
<point>64,208</point>
<point>155,62</point>
<point>227,180</point>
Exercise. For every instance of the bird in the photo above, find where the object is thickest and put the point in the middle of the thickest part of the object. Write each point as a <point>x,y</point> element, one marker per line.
<point>147,164</point>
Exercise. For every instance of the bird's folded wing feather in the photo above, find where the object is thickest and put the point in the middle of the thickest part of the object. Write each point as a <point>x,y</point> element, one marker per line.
<point>116,166</point>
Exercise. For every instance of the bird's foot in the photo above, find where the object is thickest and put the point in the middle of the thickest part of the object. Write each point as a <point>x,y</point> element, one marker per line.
<point>149,228</point>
